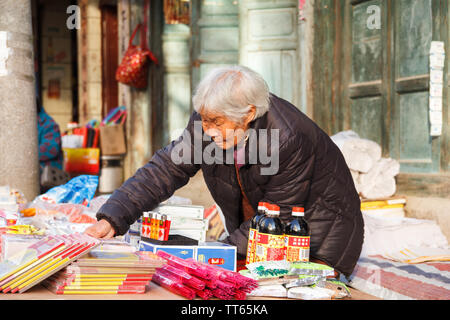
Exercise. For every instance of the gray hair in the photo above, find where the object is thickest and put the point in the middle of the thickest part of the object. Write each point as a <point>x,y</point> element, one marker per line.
<point>230,91</point>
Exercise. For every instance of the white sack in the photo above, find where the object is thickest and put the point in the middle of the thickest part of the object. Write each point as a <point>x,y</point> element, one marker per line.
<point>379,182</point>
<point>383,235</point>
<point>340,137</point>
<point>361,154</point>
<point>276,290</point>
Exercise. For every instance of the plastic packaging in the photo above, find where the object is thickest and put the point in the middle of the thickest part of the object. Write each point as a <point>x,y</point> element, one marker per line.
<point>184,265</point>
<point>239,281</point>
<point>310,268</point>
<point>60,218</point>
<point>185,277</point>
<point>305,280</point>
<point>97,202</point>
<point>10,244</point>
<point>269,268</point>
<point>339,288</point>
<point>308,293</point>
<point>219,282</point>
<point>276,290</point>
<point>173,285</point>
<point>79,190</point>
<point>41,260</point>
<point>297,237</point>
<point>205,294</point>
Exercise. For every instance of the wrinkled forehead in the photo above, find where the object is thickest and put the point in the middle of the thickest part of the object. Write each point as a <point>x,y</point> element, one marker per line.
<point>210,115</point>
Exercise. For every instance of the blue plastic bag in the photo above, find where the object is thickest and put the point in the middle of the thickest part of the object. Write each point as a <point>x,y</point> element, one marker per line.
<point>79,190</point>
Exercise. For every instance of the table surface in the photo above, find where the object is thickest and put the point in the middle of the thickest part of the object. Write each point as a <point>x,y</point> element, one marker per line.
<point>154,292</point>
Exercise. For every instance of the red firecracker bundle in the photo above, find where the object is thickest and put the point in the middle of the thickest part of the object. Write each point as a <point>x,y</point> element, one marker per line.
<point>191,278</point>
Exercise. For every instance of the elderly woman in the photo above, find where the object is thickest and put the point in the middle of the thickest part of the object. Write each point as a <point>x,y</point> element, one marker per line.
<point>305,169</point>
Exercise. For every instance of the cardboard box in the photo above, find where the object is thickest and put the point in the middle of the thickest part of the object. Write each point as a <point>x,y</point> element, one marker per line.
<point>112,140</point>
<point>82,160</point>
<point>214,253</point>
<point>217,254</point>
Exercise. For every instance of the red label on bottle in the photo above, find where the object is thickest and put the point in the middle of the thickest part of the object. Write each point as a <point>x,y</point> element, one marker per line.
<point>269,247</point>
<point>251,246</point>
<point>297,248</point>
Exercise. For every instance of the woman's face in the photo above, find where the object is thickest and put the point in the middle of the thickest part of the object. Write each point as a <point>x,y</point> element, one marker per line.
<point>224,132</point>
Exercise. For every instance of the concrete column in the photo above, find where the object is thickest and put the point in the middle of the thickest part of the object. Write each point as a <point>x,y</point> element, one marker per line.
<point>177,82</point>
<point>269,43</point>
<point>19,163</point>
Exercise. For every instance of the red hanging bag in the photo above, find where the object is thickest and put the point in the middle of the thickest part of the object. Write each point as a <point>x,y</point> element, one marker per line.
<point>133,70</point>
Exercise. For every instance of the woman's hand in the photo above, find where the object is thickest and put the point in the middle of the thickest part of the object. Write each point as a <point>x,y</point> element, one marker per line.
<point>101,229</point>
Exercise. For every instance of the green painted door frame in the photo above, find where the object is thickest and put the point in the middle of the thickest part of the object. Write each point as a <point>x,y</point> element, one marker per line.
<point>371,74</point>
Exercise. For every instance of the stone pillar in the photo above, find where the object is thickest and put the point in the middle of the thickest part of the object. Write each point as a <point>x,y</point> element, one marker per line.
<point>19,163</point>
<point>177,82</point>
<point>305,57</point>
<point>269,43</point>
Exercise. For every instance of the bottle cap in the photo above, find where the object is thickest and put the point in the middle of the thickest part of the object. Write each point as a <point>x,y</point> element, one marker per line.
<point>273,209</point>
<point>298,211</point>
<point>261,206</point>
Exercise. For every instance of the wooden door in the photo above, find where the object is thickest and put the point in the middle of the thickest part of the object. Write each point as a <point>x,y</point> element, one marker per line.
<point>384,82</point>
<point>110,58</point>
<point>414,30</point>
<point>367,74</point>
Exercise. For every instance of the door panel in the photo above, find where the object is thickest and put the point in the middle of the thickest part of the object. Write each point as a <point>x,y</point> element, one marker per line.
<point>412,144</point>
<point>413,37</point>
<point>367,59</point>
<point>275,67</point>
<point>366,46</point>
<point>415,146</point>
<point>215,37</point>
<point>363,113</point>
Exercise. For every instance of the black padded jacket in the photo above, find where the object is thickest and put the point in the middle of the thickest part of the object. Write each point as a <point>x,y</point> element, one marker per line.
<point>311,173</point>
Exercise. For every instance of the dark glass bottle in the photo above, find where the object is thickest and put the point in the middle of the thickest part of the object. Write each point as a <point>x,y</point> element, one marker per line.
<point>252,233</point>
<point>297,237</point>
<point>270,237</point>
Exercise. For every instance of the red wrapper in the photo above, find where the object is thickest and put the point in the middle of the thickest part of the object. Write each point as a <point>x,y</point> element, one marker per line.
<point>173,285</point>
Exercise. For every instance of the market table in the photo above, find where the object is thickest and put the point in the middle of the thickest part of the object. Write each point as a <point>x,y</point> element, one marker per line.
<point>154,292</point>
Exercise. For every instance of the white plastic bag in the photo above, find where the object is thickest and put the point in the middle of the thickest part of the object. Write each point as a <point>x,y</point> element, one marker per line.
<point>379,182</point>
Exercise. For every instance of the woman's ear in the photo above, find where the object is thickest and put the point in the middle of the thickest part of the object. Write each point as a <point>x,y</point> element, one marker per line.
<point>251,115</point>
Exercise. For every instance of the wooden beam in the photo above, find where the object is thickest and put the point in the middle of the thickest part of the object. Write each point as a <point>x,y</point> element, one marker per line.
<point>412,84</point>
<point>424,185</point>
